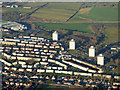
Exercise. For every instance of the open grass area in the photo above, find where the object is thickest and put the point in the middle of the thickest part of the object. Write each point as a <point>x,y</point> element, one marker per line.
<point>66,6</point>
<point>29,4</point>
<point>34,4</point>
<point>97,14</point>
<point>57,11</point>
<point>63,11</point>
<point>53,14</point>
<point>21,10</point>
<point>66,26</point>
<point>111,35</point>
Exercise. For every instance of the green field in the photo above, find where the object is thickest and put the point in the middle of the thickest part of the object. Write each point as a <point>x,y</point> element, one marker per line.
<point>66,6</point>
<point>97,14</point>
<point>21,10</point>
<point>60,12</point>
<point>57,11</point>
<point>53,14</point>
<point>111,35</point>
<point>66,26</point>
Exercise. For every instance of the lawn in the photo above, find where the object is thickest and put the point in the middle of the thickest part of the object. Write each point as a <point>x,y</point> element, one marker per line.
<point>111,35</point>
<point>66,26</point>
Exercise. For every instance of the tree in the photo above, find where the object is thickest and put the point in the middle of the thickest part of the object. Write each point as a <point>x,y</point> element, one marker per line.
<point>117,61</point>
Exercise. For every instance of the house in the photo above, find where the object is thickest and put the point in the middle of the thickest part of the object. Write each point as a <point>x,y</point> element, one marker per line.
<point>7,68</point>
<point>43,63</point>
<point>24,66</point>
<point>82,74</point>
<point>13,68</point>
<point>20,84</point>
<point>40,46</point>
<point>29,66</point>
<point>67,83</point>
<point>114,87</point>
<point>7,82</point>
<point>21,62</point>
<point>65,79</point>
<point>41,77</point>
<point>53,78</point>
<point>40,70</point>
<point>117,77</point>
<point>45,46</point>
<point>34,77</point>
<point>5,73</point>
<point>78,80</point>
<point>21,44</point>
<point>107,76</point>
<point>10,79</point>
<point>11,83</point>
<point>49,71</point>
<point>17,84</point>
<point>47,77</point>
<point>116,83</point>
<point>13,74</point>
<point>21,69</point>
<point>87,84</point>
<point>76,84</point>
<point>71,79</point>
<point>54,67</point>
<point>57,46</point>
<point>60,68</point>
<point>49,67</point>
<point>29,70</point>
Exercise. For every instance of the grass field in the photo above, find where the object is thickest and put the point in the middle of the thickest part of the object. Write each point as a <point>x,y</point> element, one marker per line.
<point>97,14</point>
<point>57,11</point>
<point>34,5</point>
<point>53,14</point>
<point>111,35</point>
<point>66,26</point>
<point>63,11</point>
<point>29,4</point>
<point>66,6</point>
<point>21,10</point>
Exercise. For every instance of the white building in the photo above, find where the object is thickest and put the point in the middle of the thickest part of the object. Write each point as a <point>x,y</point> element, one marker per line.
<point>55,36</point>
<point>92,51</point>
<point>100,59</point>
<point>72,44</point>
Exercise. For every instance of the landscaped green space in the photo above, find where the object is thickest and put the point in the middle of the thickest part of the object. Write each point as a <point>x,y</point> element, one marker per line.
<point>111,35</point>
<point>66,26</point>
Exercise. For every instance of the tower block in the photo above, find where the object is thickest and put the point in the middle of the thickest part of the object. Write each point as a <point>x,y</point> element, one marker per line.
<point>55,36</point>
<point>72,44</point>
<point>100,59</point>
<point>92,51</point>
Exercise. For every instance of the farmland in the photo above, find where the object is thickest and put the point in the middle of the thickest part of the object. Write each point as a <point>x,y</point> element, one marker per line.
<point>97,14</point>
<point>60,12</point>
<point>53,14</point>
